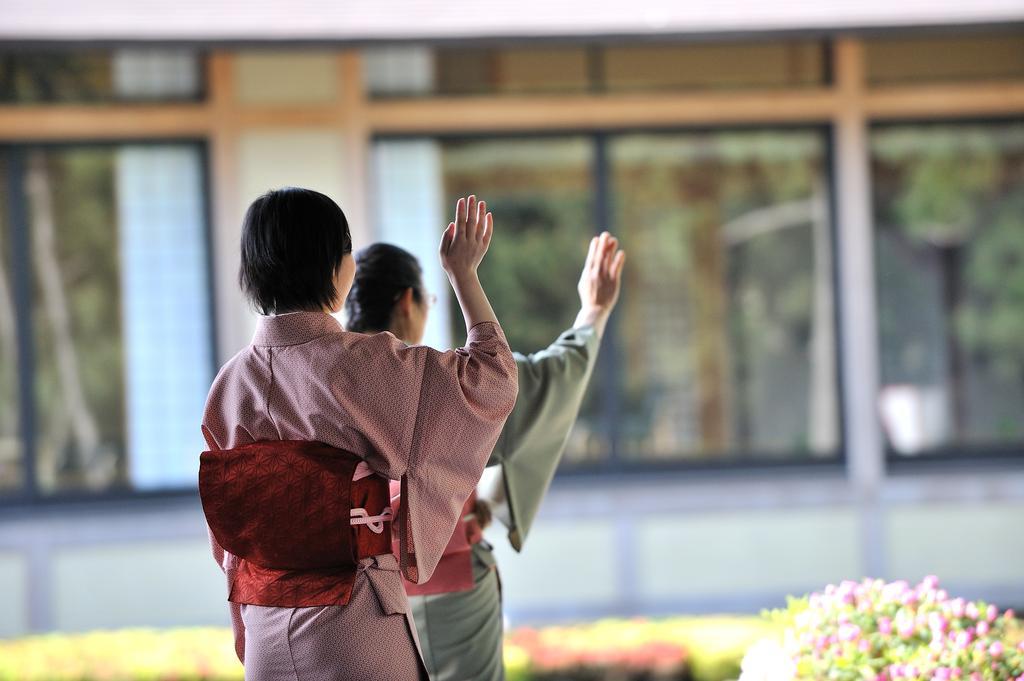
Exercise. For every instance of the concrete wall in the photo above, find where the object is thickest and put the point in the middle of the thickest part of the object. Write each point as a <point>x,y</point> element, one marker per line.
<point>680,544</point>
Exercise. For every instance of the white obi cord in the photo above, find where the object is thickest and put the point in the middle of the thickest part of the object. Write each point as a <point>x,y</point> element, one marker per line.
<point>359,516</point>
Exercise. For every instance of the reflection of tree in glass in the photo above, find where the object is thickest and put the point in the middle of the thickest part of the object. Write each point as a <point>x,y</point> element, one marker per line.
<point>79,373</point>
<point>540,194</point>
<point>732,306</point>
<point>543,222</point>
<point>55,76</point>
<point>954,194</point>
<point>10,445</point>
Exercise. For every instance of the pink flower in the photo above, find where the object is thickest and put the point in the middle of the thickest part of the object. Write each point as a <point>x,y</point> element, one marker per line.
<point>938,623</point>
<point>930,582</point>
<point>905,628</point>
<point>957,607</point>
<point>996,650</point>
<point>991,613</point>
<point>864,645</point>
<point>884,625</point>
<point>972,610</point>
<point>1009,614</point>
<point>943,674</point>
<point>983,628</point>
<point>849,632</point>
<point>963,640</point>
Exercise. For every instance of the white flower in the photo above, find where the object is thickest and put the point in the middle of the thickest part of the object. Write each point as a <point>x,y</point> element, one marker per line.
<point>767,661</point>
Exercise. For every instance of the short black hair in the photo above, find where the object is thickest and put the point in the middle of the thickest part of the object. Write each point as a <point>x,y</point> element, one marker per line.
<point>293,242</point>
<point>383,273</point>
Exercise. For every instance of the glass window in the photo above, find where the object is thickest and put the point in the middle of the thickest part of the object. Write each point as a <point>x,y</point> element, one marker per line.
<point>567,69</point>
<point>11,450</point>
<point>949,230</point>
<point>969,57</point>
<point>726,321</point>
<point>714,66</point>
<point>123,75</point>
<point>540,191</point>
<point>511,70</point>
<point>728,298</point>
<point>122,330</point>
<point>398,71</point>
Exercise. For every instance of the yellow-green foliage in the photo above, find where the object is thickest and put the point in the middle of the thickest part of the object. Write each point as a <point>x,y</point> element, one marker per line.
<point>124,655</point>
<point>711,647</point>
<point>717,644</point>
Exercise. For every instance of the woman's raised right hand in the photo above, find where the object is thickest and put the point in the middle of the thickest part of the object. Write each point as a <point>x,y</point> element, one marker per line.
<point>465,241</point>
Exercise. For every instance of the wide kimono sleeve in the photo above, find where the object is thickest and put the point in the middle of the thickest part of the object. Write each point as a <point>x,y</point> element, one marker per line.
<point>228,563</point>
<point>552,383</point>
<point>430,419</point>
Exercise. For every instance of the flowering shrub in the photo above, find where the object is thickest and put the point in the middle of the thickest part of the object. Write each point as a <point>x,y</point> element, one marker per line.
<point>890,632</point>
<point>705,648</point>
<point>699,648</point>
<point>603,650</point>
<point>200,654</point>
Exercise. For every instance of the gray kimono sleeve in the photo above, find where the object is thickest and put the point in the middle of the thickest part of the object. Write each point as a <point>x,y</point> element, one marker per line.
<point>551,387</point>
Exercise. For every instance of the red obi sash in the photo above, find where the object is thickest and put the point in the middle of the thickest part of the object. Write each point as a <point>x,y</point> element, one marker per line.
<point>454,571</point>
<point>297,518</point>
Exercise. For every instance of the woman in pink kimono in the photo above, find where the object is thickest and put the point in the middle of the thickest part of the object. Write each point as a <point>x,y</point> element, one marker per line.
<point>458,613</point>
<point>426,418</point>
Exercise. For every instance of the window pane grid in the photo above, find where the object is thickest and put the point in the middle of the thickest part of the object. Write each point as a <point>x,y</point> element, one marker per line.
<point>949,256</point>
<point>728,299</point>
<point>137,75</point>
<point>118,315</point>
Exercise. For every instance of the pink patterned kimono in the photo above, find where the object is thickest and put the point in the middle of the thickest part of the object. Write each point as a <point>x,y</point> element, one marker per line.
<point>427,418</point>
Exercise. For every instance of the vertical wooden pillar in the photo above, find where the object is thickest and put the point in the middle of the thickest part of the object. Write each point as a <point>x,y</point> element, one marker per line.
<point>232,326</point>
<point>858,321</point>
<point>356,132</point>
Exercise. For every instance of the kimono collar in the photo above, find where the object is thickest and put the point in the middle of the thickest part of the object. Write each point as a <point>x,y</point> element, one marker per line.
<point>294,328</point>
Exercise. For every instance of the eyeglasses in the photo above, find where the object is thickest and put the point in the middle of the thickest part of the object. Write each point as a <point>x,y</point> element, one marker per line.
<point>429,299</point>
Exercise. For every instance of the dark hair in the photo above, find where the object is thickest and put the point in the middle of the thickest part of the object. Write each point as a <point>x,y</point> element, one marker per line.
<point>383,273</point>
<point>293,241</point>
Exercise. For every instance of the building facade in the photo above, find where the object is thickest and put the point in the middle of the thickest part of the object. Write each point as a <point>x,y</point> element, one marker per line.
<point>816,370</point>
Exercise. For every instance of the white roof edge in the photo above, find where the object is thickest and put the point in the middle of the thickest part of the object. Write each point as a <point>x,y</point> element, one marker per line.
<point>363,21</point>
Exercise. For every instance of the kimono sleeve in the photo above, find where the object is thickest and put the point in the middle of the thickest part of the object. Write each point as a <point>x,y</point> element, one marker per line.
<point>228,563</point>
<point>462,400</point>
<point>552,383</point>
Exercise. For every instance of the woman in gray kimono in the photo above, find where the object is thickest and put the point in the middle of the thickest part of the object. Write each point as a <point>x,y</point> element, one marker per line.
<point>458,612</point>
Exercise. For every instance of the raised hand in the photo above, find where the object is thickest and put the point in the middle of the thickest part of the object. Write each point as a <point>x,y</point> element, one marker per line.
<point>600,280</point>
<point>463,246</point>
<point>465,242</point>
